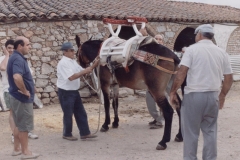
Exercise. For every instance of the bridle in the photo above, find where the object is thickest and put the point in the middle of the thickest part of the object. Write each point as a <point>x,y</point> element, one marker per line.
<point>81,59</point>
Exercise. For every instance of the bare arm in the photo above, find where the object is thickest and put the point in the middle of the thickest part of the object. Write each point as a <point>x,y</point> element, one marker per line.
<point>227,83</point>
<point>20,84</point>
<point>85,71</point>
<point>181,75</point>
<point>3,65</point>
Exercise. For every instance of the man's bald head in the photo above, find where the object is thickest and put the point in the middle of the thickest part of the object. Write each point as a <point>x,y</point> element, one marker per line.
<point>22,45</point>
<point>159,38</point>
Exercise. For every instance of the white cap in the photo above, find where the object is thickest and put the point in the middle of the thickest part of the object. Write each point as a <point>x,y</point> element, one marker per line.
<point>204,28</point>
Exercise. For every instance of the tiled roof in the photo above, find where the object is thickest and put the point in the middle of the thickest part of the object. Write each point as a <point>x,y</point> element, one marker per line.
<point>153,10</point>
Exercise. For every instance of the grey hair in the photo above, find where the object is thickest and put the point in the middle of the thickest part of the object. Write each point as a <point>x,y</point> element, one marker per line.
<point>208,35</point>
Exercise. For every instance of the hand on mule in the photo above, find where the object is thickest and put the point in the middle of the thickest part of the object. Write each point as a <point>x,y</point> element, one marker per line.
<point>174,100</point>
<point>88,70</point>
<point>95,62</point>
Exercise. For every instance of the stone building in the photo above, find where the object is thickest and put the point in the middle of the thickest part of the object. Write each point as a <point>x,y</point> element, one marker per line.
<point>49,23</point>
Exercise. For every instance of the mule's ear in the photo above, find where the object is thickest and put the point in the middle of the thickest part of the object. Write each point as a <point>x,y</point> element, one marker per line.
<point>78,41</point>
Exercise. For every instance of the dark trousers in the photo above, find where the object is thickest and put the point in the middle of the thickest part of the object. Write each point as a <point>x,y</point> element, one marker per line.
<point>71,103</point>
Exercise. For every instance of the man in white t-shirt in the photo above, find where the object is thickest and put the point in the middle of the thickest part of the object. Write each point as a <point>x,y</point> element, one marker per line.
<point>204,64</point>
<point>68,83</point>
<point>8,50</point>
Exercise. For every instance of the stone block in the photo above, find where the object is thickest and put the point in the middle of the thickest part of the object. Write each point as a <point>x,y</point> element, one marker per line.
<point>46,49</point>
<point>72,27</point>
<point>53,94</point>
<point>45,59</point>
<point>54,63</point>
<point>54,80</point>
<point>40,82</point>
<point>37,45</point>
<point>45,95</point>
<point>122,93</point>
<point>85,92</point>
<point>23,25</point>
<point>39,95</point>
<point>49,43</point>
<point>169,34</point>
<point>3,34</point>
<point>48,89</point>
<point>94,30</point>
<point>79,31</point>
<point>59,23</point>
<point>59,37</point>
<point>36,39</point>
<point>39,53</point>
<point>11,33</point>
<point>51,38</point>
<point>3,41</point>
<point>161,29</point>
<point>39,90</point>
<point>46,100</point>
<point>38,31</point>
<point>46,68</point>
<point>42,76</point>
<point>67,24</point>
<point>50,53</point>
<point>34,58</point>
<point>55,43</point>
<point>55,100</point>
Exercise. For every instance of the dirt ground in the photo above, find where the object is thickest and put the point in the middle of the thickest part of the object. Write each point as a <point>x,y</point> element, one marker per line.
<point>132,140</point>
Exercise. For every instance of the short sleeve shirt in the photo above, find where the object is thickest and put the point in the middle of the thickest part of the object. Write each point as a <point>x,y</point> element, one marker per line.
<point>207,64</point>
<point>17,64</point>
<point>65,69</point>
<point>5,84</point>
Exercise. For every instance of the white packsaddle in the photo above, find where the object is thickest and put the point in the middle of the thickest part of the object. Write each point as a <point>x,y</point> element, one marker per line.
<point>120,49</point>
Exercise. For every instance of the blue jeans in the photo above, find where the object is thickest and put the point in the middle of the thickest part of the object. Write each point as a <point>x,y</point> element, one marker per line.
<point>71,103</point>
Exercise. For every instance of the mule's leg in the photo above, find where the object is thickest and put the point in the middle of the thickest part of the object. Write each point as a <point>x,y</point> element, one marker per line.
<point>106,97</point>
<point>168,116</point>
<point>115,89</point>
<point>179,137</point>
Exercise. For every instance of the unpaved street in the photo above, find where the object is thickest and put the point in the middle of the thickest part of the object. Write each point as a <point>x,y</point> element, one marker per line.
<point>132,140</point>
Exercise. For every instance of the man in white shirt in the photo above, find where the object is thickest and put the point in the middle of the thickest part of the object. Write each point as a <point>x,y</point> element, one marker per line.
<point>204,64</point>
<point>68,83</point>
<point>8,50</point>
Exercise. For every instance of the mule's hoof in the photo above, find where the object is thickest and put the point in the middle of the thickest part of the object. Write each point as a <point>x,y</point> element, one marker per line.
<point>160,147</point>
<point>114,125</point>
<point>178,139</point>
<point>103,130</point>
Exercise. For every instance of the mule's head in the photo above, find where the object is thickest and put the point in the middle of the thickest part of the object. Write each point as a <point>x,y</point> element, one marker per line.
<point>87,51</point>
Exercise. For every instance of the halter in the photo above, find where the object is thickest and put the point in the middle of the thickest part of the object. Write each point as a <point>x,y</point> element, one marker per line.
<point>81,57</point>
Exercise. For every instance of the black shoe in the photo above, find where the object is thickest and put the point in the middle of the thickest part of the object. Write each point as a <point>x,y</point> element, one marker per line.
<point>153,122</point>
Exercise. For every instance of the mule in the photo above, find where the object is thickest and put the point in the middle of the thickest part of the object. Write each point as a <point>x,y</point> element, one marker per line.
<point>140,76</point>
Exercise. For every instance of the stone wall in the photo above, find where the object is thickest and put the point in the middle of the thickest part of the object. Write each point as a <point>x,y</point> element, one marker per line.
<point>46,39</point>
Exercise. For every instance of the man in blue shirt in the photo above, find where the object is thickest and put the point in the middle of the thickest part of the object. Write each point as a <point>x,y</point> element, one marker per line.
<point>21,89</point>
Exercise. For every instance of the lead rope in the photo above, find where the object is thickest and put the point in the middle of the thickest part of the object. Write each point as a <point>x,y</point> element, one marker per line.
<point>98,91</point>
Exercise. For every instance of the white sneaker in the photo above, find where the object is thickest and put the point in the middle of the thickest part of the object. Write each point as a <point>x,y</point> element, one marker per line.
<point>32,136</point>
<point>12,138</point>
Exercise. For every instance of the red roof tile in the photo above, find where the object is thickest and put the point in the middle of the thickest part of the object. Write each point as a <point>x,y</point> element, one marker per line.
<point>153,10</point>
